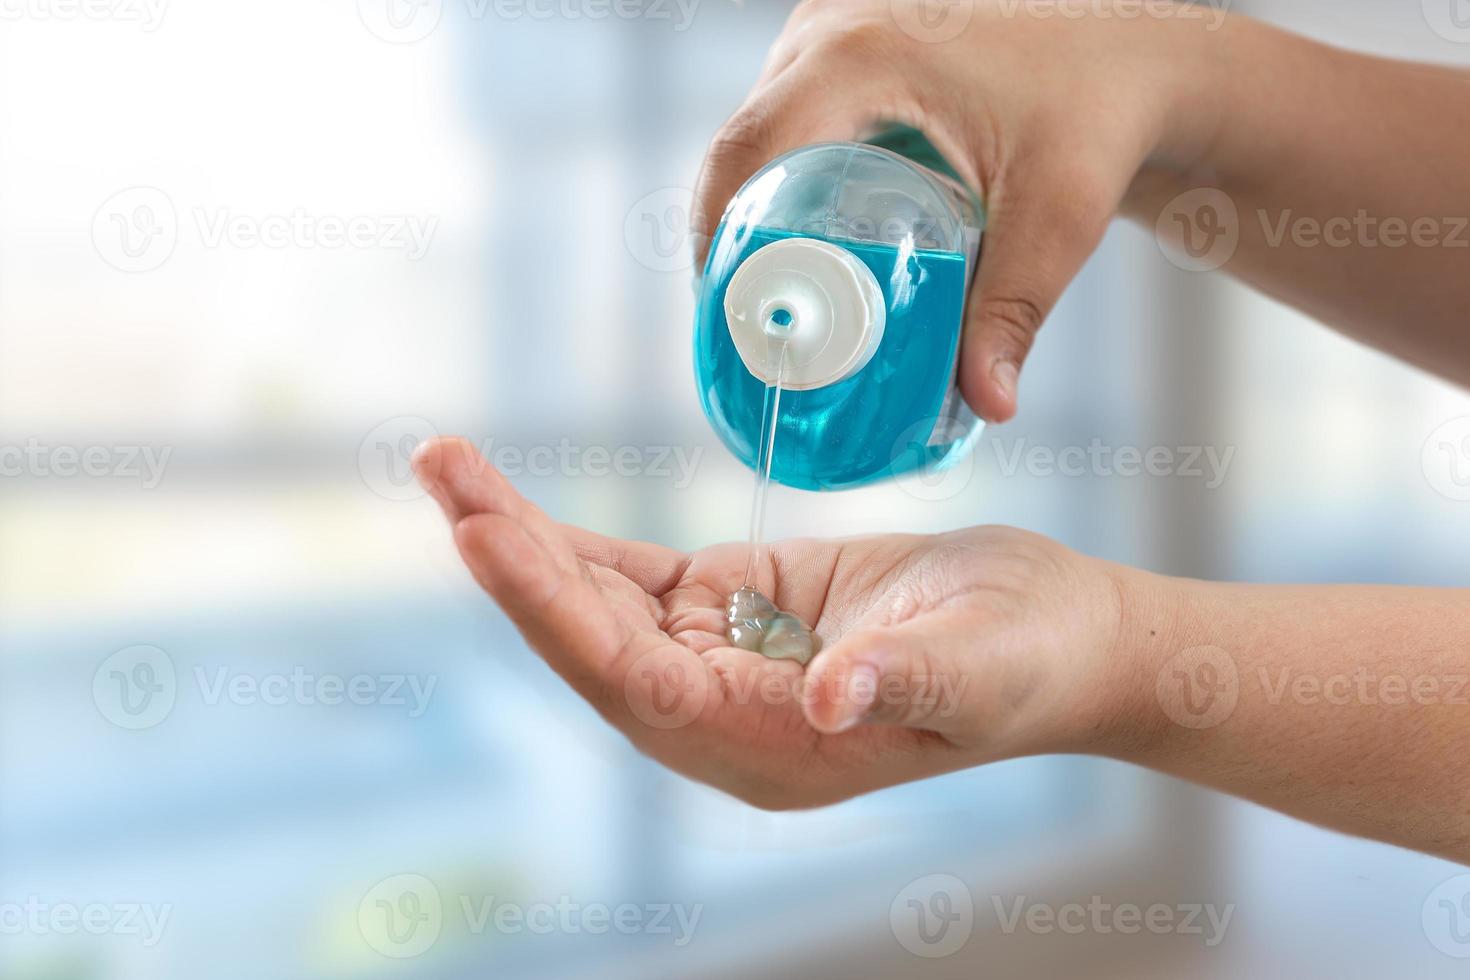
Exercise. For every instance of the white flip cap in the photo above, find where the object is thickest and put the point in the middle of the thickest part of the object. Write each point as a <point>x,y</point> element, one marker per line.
<point>818,297</point>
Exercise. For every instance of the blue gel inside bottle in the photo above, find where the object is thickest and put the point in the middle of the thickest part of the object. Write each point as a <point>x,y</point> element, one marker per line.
<point>892,416</point>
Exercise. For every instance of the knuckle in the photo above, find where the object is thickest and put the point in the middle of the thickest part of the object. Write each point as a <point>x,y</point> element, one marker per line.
<point>1016,317</point>
<point>907,700</point>
<point>736,150</point>
<point>746,132</point>
<point>857,45</point>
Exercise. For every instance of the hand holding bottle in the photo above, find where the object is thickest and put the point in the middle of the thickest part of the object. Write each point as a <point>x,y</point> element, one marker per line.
<point>1049,119</point>
<point>1062,115</point>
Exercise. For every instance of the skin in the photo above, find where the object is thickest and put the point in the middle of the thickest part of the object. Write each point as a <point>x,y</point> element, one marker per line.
<point>1347,706</point>
<point>1063,122</point>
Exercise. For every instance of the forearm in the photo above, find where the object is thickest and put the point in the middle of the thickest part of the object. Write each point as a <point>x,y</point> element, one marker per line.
<point>1348,706</point>
<point>1349,182</point>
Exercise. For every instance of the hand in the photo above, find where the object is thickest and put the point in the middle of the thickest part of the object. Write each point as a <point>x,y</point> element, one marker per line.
<point>1051,118</point>
<point>939,652</point>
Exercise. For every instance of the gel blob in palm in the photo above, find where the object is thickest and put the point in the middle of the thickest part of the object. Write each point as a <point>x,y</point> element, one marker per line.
<point>856,258</point>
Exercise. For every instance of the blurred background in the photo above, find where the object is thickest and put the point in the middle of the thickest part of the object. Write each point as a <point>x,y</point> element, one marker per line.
<point>255,719</point>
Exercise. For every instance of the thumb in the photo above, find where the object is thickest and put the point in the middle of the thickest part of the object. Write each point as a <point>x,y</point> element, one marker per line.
<point>1041,227</point>
<point>896,676</point>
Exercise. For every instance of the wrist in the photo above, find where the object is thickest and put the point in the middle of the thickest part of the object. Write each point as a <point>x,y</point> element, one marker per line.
<point>1156,621</point>
<point>1199,58</point>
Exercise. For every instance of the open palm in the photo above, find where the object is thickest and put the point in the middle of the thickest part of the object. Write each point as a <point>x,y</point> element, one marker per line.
<point>959,646</point>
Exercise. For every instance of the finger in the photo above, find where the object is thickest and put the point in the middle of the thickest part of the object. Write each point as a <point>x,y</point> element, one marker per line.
<point>464,483</point>
<point>823,95</point>
<point>905,675</point>
<point>1041,227</point>
<point>652,567</point>
<point>558,611</point>
<point>529,566</point>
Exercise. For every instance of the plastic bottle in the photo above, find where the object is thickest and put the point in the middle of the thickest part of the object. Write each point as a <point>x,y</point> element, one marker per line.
<point>857,257</point>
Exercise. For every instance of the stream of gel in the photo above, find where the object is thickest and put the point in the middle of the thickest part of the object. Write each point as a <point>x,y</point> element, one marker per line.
<point>752,621</point>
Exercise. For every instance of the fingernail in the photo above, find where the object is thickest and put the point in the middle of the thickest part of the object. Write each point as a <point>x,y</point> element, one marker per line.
<point>1006,373</point>
<point>416,458</point>
<point>859,695</point>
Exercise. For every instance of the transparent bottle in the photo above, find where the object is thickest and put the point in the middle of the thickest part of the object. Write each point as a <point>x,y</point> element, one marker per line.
<point>856,258</point>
